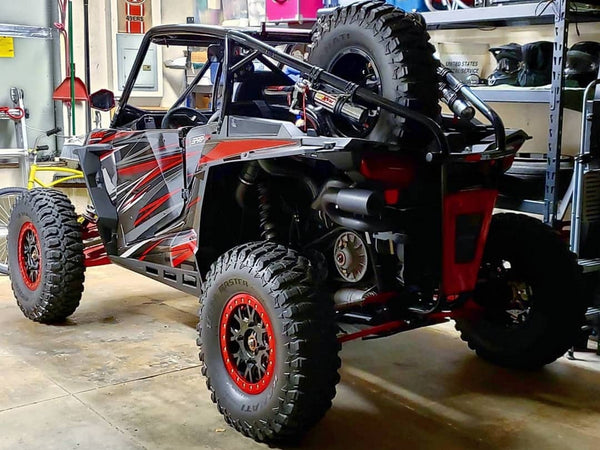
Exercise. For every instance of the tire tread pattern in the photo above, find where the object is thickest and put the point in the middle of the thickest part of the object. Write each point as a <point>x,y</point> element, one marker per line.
<point>564,304</point>
<point>54,217</point>
<point>310,336</point>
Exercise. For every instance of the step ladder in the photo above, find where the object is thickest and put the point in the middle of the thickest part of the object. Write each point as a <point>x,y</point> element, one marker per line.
<point>9,157</point>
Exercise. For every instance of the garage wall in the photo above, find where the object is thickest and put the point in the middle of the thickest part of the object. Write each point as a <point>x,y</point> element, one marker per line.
<point>32,70</point>
<point>102,58</point>
<point>102,63</point>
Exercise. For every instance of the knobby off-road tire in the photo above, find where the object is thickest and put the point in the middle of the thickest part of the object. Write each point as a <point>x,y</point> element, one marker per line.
<point>531,293</point>
<point>8,196</point>
<point>293,335</point>
<point>394,45</point>
<point>45,253</point>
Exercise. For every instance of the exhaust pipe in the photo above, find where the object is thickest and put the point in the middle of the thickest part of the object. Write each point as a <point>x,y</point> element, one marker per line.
<point>355,201</point>
<point>344,206</point>
<point>356,209</point>
<point>346,298</point>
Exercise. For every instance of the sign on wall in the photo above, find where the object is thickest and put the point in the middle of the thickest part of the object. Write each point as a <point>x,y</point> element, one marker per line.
<point>7,47</point>
<point>135,16</point>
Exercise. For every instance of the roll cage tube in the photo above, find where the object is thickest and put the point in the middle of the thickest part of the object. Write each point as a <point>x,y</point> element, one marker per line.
<point>316,74</point>
<point>131,79</point>
<point>191,86</point>
<point>458,86</point>
<point>196,34</point>
<point>228,82</point>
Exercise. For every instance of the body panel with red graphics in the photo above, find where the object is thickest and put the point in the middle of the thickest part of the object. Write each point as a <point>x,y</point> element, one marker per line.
<point>156,185</point>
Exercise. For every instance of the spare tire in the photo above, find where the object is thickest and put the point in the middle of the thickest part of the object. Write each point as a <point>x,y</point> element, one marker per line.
<point>384,49</point>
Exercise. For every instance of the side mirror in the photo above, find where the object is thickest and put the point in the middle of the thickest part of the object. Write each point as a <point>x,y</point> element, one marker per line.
<point>104,100</point>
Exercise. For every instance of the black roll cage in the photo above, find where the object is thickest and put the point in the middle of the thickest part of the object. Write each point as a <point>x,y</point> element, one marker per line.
<point>258,42</point>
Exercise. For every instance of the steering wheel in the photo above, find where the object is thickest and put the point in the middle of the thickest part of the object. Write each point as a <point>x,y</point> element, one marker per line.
<point>182,116</point>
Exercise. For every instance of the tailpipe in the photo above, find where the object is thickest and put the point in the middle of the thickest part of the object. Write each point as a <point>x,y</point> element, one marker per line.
<point>355,201</point>
<point>357,209</point>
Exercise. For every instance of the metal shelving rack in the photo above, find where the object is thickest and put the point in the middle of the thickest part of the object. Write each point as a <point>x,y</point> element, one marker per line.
<point>556,13</point>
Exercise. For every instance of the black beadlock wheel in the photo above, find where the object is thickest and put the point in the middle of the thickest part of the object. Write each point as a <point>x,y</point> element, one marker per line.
<point>531,295</point>
<point>267,342</point>
<point>386,50</point>
<point>8,197</point>
<point>45,254</point>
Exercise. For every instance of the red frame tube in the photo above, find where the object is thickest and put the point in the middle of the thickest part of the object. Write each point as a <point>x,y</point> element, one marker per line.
<point>470,308</point>
<point>397,325</point>
<point>95,255</point>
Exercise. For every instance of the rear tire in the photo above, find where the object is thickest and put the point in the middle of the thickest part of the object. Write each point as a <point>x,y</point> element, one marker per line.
<point>387,50</point>
<point>267,342</point>
<point>8,196</point>
<point>531,293</point>
<point>45,253</point>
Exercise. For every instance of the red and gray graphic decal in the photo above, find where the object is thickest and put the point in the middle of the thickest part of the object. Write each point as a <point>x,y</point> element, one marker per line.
<point>177,250</point>
<point>236,147</point>
<point>143,175</point>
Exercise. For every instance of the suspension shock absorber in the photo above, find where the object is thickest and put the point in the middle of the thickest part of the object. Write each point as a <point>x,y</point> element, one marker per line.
<point>269,232</point>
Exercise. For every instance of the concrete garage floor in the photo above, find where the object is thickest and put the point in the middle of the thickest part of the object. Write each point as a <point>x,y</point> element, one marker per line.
<point>123,374</point>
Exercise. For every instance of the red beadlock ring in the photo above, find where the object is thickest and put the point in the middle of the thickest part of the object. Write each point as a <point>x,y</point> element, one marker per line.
<point>238,305</point>
<point>29,253</point>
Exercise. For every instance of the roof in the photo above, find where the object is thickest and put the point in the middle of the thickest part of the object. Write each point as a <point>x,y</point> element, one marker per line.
<point>195,35</point>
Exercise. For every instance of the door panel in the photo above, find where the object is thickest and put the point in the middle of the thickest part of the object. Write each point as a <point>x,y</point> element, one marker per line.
<point>149,184</point>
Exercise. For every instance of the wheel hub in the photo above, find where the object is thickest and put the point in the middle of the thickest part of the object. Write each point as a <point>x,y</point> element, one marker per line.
<point>252,343</point>
<point>519,306</point>
<point>509,297</point>
<point>29,255</point>
<point>247,343</point>
<point>355,65</point>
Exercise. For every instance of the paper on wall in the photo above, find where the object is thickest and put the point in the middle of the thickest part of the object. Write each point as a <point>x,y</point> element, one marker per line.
<point>7,47</point>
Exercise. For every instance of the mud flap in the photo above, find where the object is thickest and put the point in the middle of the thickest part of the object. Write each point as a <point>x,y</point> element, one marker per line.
<point>466,221</point>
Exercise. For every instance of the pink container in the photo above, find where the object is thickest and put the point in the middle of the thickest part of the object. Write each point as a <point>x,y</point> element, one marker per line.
<point>292,10</point>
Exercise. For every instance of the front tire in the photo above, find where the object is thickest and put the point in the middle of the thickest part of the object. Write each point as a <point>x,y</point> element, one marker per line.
<point>530,291</point>
<point>45,254</point>
<point>267,342</point>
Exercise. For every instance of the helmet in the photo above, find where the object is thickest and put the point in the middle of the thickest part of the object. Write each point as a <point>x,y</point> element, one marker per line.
<point>537,64</point>
<point>583,61</point>
<point>509,58</point>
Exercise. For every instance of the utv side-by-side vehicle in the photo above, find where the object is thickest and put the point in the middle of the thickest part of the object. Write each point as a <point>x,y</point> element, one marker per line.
<point>316,201</point>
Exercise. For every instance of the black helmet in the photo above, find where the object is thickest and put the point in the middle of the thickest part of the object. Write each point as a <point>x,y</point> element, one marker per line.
<point>583,61</point>
<point>537,64</point>
<point>509,58</point>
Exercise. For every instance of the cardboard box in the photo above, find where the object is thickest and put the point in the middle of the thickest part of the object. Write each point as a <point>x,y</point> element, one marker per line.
<point>464,59</point>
